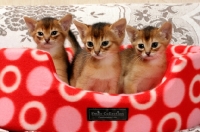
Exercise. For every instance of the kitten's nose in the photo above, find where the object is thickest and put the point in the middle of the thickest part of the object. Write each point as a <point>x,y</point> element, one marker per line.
<point>97,52</point>
<point>148,53</point>
<point>47,40</point>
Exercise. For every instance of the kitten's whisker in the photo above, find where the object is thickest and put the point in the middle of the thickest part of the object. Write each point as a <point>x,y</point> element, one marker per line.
<point>115,52</point>
<point>137,58</point>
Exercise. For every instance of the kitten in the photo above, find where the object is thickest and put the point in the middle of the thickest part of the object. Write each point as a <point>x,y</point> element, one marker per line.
<point>144,65</point>
<point>97,66</point>
<point>49,35</point>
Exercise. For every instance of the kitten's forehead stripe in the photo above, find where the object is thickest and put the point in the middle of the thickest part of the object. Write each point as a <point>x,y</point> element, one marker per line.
<point>47,21</point>
<point>97,30</point>
<point>147,32</point>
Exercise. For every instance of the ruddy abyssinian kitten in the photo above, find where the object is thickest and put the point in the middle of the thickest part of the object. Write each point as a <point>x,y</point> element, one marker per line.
<point>50,34</point>
<point>96,67</point>
<point>144,65</point>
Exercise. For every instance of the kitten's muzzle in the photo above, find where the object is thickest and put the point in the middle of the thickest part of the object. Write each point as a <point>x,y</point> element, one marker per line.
<point>47,40</point>
<point>148,53</point>
<point>97,52</point>
<point>98,55</point>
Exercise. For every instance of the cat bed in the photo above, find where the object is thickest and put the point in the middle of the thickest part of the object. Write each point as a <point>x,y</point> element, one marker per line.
<point>33,98</point>
<point>44,103</point>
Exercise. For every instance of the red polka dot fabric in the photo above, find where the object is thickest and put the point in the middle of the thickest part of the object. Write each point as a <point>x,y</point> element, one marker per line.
<point>33,98</point>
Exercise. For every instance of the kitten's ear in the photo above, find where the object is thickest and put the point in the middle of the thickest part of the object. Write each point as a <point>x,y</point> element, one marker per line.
<point>66,21</point>
<point>132,32</point>
<point>82,28</point>
<point>119,27</point>
<point>31,23</point>
<point>166,31</point>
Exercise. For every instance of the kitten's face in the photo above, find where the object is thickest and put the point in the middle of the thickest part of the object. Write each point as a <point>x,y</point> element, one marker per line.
<point>99,48</point>
<point>150,42</point>
<point>102,39</point>
<point>148,45</point>
<point>49,32</point>
<point>100,42</point>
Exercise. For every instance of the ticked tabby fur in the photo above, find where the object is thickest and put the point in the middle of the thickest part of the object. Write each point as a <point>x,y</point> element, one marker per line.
<point>144,65</point>
<point>50,34</point>
<point>97,66</point>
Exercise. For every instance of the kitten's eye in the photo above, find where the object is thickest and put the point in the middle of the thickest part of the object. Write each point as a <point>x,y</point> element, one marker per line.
<point>40,33</point>
<point>154,45</point>
<point>141,46</point>
<point>54,32</point>
<point>104,43</point>
<point>89,44</point>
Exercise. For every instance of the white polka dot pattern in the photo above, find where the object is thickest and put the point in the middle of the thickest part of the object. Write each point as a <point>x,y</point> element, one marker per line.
<point>62,120</point>
<point>33,98</point>
<point>39,81</point>
<point>173,97</point>
<point>136,122</point>
<point>179,64</point>
<point>11,55</point>
<point>146,105</point>
<point>7,110</point>
<point>112,128</point>
<point>194,99</point>
<point>15,85</point>
<point>167,117</point>
<point>39,57</point>
<point>68,97</point>
<point>27,107</point>
<point>106,100</point>
<point>193,117</point>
